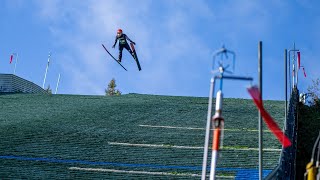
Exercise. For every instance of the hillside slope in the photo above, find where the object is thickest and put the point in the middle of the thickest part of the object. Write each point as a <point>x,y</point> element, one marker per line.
<point>128,136</point>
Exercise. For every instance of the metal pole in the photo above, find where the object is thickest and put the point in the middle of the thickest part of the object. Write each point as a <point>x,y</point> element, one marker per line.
<point>218,125</point>
<point>15,65</point>
<point>217,129</point>
<point>206,142</point>
<point>45,75</point>
<point>293,66</point>
<point>289,77</point>
<point>297,72</point>
<point>57,84</point>
<point>243,78</point>
<point>296,67</point>
<point>260,118</point>
<point>285,87</point>
<point>292,74</point>
<point>217,120</point>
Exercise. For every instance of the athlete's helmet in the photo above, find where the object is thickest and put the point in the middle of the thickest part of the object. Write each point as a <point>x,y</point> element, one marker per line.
<point>119,31</point>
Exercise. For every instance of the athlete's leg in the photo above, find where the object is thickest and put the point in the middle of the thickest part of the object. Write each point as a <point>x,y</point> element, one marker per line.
<point>120,52</point>
<point>129,49</point>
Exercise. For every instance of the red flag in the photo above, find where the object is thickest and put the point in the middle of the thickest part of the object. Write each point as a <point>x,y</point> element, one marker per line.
<point>298,59</point>
<point>11,58</point>
<point>304,72</point>
<point>272,125</point>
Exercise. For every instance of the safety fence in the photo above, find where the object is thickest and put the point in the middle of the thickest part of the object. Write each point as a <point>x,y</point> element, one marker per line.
<point>287,161</point>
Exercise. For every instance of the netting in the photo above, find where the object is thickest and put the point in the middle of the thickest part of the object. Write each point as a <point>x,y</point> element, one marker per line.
<point>287,169</point>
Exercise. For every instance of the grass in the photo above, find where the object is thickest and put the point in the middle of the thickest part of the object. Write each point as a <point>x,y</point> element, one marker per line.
<point>77,130</point>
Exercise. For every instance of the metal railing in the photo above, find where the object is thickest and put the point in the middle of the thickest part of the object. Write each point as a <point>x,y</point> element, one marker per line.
<point>287,162</point>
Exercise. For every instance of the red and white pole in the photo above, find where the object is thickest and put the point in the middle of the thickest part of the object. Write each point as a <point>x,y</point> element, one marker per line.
<point>218,126</point>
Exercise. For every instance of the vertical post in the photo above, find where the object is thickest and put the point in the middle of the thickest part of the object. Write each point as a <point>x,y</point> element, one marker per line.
<point>206,143</point>
<point>289,77</point>
<point>260,118</point>
<point>285,87</point>
<point>57,84</point>
<point>218,127</point>
<point>15,65</point>
<point>45,75</point>
<point>293,66</point>
<point>297,71</point>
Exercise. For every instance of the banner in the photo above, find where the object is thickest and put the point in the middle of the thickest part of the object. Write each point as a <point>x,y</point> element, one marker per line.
<point>272,125</point>
<point>11,58</point>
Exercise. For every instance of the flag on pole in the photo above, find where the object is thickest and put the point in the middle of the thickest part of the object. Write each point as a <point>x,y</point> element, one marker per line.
<point>298,59</point>
<point>272,125</point>
<point>304,72</point>
<point>11,58</point>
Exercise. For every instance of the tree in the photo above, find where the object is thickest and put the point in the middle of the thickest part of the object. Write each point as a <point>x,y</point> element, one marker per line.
<point>49,91</point>
<point>314,92</point>
<point>112,91</point>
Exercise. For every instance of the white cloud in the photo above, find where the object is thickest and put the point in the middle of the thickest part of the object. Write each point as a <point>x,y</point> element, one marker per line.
<point>81,28</point>
<point>170,40</point>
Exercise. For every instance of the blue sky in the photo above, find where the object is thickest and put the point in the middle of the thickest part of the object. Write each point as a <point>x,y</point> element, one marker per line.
<point>174,39</point>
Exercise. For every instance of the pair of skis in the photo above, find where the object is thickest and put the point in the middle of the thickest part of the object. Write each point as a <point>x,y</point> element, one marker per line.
<point>134,55</point>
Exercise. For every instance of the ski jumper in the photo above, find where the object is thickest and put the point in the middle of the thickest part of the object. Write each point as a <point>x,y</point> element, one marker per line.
<point>123,44</point>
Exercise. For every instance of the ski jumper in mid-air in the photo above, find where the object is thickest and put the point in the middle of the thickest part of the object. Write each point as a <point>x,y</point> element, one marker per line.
<point>123,43</point>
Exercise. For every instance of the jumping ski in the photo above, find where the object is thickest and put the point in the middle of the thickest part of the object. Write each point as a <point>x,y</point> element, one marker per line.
<point>135,56</point>
<point>113,57</point>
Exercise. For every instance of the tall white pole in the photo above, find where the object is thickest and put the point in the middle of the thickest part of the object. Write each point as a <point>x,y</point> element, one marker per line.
<point>206,142</point>
<point>57,84</point>
<point>15,65</point>
<point>218,125</point>
<point>45,75</point>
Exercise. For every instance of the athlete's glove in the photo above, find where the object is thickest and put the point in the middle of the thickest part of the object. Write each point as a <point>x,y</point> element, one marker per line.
<point>133,43</point>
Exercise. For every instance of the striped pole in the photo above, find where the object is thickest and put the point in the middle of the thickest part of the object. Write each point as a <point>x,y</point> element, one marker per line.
<point>218,125</point>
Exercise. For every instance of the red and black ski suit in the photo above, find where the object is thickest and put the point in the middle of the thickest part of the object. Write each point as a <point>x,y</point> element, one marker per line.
<point>123,44</point>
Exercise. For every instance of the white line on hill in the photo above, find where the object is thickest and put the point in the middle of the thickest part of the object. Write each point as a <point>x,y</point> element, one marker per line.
<point>191,147</point>
<point>140,172</point>
<point>194,128</point>
<point>133,172</point>
<point>171,127</point>
<point>155,145</point>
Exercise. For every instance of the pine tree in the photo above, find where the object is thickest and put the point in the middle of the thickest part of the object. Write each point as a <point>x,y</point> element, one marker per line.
<point>49,91</point>
<point>112,91</point>
<point>314,92</point>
